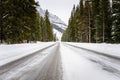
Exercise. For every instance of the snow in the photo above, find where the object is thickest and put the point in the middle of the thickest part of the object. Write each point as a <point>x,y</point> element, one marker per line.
<point>55,20</point>
<point>61,26</point>
<point>31,68</point>
<point>58,34</point>
<point>77,67</point>
<point>77,64</point>
<point>110,49</point>
<point>10,53</point>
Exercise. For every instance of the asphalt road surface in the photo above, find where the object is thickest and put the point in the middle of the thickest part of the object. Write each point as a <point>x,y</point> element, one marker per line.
<point>57,62</point>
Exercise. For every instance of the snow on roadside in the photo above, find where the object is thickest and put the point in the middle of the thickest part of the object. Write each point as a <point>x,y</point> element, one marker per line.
<point>110,49</point>
<point>11,52</point>
<point>58,34</point>
<point>76,67</point>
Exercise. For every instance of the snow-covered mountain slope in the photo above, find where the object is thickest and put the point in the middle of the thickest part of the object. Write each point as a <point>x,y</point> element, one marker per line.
<point>58,25</point>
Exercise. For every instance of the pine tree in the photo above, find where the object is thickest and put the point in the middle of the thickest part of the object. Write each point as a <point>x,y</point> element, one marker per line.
<point>37,29</point>
<point>101,20</point>
<point>1,25</point>
<point>116,21</point>
<point>105,12</point>
<point>20,20</point>
<point>76,27</point>
<point>72,25</point>
<point>81,23</point>
<point>97,20</point>
<point>3,16</point>
<point>91,22</point>
<point>89,33</point>
<point>42,30</point>
<point>76,22</point>
<point>48,27</point>
<point>29,18</point>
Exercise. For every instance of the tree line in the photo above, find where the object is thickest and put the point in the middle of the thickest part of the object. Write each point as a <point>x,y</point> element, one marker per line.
<point>94,21</point>
<point>20,22</point>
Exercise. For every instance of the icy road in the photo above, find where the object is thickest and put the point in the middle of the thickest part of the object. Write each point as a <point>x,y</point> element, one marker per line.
<point>57,61</point>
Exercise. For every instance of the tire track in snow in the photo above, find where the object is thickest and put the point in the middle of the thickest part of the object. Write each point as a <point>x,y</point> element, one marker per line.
<point>108,63</point>
<point>42,65</point>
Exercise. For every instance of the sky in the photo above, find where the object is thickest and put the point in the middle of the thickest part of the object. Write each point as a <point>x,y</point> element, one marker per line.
<point>60,8</point>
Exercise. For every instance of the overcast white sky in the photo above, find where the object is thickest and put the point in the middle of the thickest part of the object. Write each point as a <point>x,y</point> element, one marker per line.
<point>61,8</point>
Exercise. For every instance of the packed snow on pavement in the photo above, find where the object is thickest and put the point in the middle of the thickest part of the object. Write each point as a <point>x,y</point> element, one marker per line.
<point>78,67</point>
<point>110,49</point>
<point>9,53</point>
<point>76,64</point>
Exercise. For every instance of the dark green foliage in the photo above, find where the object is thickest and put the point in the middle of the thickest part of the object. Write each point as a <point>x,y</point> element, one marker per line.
<point>116,21</point>
<point>97,20</point>
<point>91,22</point>
<point>48,28</point>
<point>76,28</point>
<point>3,16</point>
<point>105,16</point>
<point>20,22</point>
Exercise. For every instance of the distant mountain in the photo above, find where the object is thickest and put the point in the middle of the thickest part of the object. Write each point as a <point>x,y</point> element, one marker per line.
<point>59,26</point>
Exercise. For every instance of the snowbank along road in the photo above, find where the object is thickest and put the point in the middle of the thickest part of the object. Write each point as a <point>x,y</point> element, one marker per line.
<point>61,61</point>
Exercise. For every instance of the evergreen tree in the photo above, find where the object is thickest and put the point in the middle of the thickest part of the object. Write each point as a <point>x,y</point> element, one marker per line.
<point>72,25</point>
<point>105,14</point>
<point>116,21</point>
<point>37,29</point>
<point>91,22</point>
<point>97,20</point>
<point>89,31</point>
<point>81,22</point>
<point>3,16</point>
<point>20,20</point>
<point>48,28</point>
<point>42,30</point>
<point>77,25</point>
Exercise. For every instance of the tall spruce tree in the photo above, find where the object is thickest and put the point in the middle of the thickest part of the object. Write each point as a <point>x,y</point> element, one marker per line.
<point>72,25</point>
<point>81,24</point>
<point>116,21</point>
<point>1,25</point>
<point>18,20</point>
<point>48,28</point>
<point>97,20</point>
<point>76,27</point>
<point>3,16</point>
<point>92,21</point>
<point>89,33</point>
<point>76,22</point>
<point>29,18</point>
<point>42,30</point>
<point>105,14</point>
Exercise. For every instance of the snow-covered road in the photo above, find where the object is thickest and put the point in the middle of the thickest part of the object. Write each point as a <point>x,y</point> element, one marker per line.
<point>40,65</point>
<point>80,64</point>
<point>58,61</point>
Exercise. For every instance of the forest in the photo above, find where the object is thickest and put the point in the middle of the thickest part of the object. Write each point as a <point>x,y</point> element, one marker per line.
<point>20,22</point>
<point>91,21</point>
<point>94,21</point>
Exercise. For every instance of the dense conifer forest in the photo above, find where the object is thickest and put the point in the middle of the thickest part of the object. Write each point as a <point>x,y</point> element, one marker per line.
<point>20,22</point>
<point>94,21</point>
